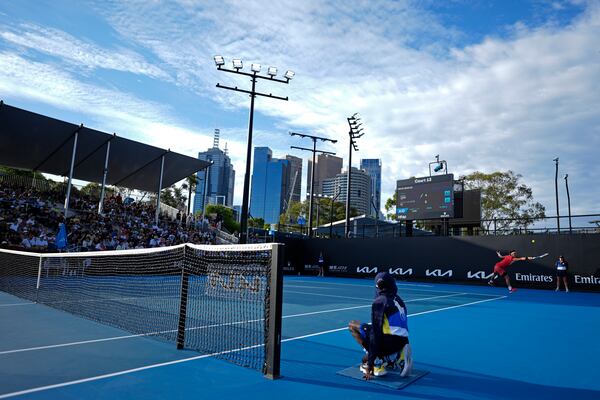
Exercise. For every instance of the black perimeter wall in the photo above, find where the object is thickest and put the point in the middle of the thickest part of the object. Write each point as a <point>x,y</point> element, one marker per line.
<point>451,259</point>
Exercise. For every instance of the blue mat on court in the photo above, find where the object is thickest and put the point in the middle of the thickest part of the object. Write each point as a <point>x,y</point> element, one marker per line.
<point>391,380</point>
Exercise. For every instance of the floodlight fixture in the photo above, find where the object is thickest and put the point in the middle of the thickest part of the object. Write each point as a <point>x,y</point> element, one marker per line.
<point>328,140</point>
<point>272,71</point>
<point>237,64</point>
<point>438,167</point>
<point>255,67</point>
<point>219,61</point>
<point>289,75</point>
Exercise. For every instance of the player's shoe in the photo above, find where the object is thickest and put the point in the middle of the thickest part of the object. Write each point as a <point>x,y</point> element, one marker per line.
<point>491,283</point>
<point>407,360</point>
<point>512,290</point>
<point>378,369</point>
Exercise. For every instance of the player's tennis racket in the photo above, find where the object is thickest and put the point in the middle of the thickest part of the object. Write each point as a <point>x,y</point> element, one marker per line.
<point>540,256</point>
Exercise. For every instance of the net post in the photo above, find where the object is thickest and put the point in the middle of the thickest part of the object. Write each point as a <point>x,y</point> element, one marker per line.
<point>39,278</point>
<point>182,304</point>
<point>273,337</point>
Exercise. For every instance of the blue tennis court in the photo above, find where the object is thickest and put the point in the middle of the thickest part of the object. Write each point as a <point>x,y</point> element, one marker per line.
<point>476,342</point>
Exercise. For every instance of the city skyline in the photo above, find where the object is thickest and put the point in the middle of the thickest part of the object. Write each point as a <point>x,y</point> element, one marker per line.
<point>221,177</point>
<point>481,77</point>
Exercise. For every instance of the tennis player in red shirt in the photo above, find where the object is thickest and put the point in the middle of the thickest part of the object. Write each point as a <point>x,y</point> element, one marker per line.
<point>500,268</point>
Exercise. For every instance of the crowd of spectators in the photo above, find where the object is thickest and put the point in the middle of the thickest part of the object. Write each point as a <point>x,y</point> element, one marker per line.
<point>30,220</point>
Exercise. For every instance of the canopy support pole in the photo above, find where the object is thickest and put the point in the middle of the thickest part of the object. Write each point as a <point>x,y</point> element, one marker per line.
<point>69,184</point>
<point>160,182</point>
<point>105,172</point>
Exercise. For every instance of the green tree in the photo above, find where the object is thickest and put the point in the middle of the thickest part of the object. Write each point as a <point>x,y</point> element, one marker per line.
<point>191,182</point>
<point>390,207</point>
<point>225,214</point>
<point>504,196</point>
<point>173,196</point>
<point>21,172</point>
<point>91,189</point>
<point>256,223</point>
<point>321,212</point>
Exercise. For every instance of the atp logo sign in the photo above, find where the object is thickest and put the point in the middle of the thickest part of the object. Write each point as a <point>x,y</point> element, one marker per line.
<point>438,273</point>
<point>400,271</point>
<point>479,275</point>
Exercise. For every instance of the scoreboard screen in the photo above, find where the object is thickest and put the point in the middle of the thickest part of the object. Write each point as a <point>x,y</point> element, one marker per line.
<point>431,197</point>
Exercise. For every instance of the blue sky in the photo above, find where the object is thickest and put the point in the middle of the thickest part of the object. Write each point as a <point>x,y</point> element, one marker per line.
<point>487,85</point>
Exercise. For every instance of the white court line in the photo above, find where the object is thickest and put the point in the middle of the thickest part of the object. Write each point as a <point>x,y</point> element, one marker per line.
<point>355,284</point>
<point>398,284</point>
<point>371,299</point>
<point>52,346</point>
<point>49,303</point>
<point>15,304</point>
<point>329,295</point>
<point>410,315</point>
<point>129,371</point>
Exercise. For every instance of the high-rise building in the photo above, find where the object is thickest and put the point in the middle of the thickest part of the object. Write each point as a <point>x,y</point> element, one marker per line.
<point>295,183</point>
<point>326,166</point>
<point>373,167</point>
<point>360,189</point>
<point>221,177</point>
<point>270,179</point>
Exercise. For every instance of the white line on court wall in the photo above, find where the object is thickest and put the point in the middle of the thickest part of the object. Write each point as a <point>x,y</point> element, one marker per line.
<point>52,346</point>
<point>99,377</point>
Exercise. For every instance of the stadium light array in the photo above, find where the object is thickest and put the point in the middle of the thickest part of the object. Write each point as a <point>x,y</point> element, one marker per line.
<point>314,151</point>
<point>255,68</point>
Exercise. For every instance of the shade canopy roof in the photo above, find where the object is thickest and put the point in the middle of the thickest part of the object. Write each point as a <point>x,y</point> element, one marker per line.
<point>35,142</point>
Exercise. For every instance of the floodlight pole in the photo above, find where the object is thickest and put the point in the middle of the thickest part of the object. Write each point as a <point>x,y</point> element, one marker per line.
<point>568,202</point>
<point>354,134</point>
<point>348,183</point>
<point>253,93</point>
<point>376,216</point>
<point>312,179</point>
<point>206,180</point>
<point>556,195</point>
<point>331,214</point>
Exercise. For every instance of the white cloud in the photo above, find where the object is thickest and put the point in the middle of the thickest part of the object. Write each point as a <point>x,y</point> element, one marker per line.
<point>81,53</point>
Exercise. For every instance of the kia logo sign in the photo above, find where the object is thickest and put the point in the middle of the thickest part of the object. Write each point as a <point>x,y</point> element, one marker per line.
<point>479,275</point>
<point>400,271</point>
<point>366,270</point>
<point>438,273</point>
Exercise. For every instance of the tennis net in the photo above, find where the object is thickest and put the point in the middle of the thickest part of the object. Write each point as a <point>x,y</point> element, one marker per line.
<point>218,300</point>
